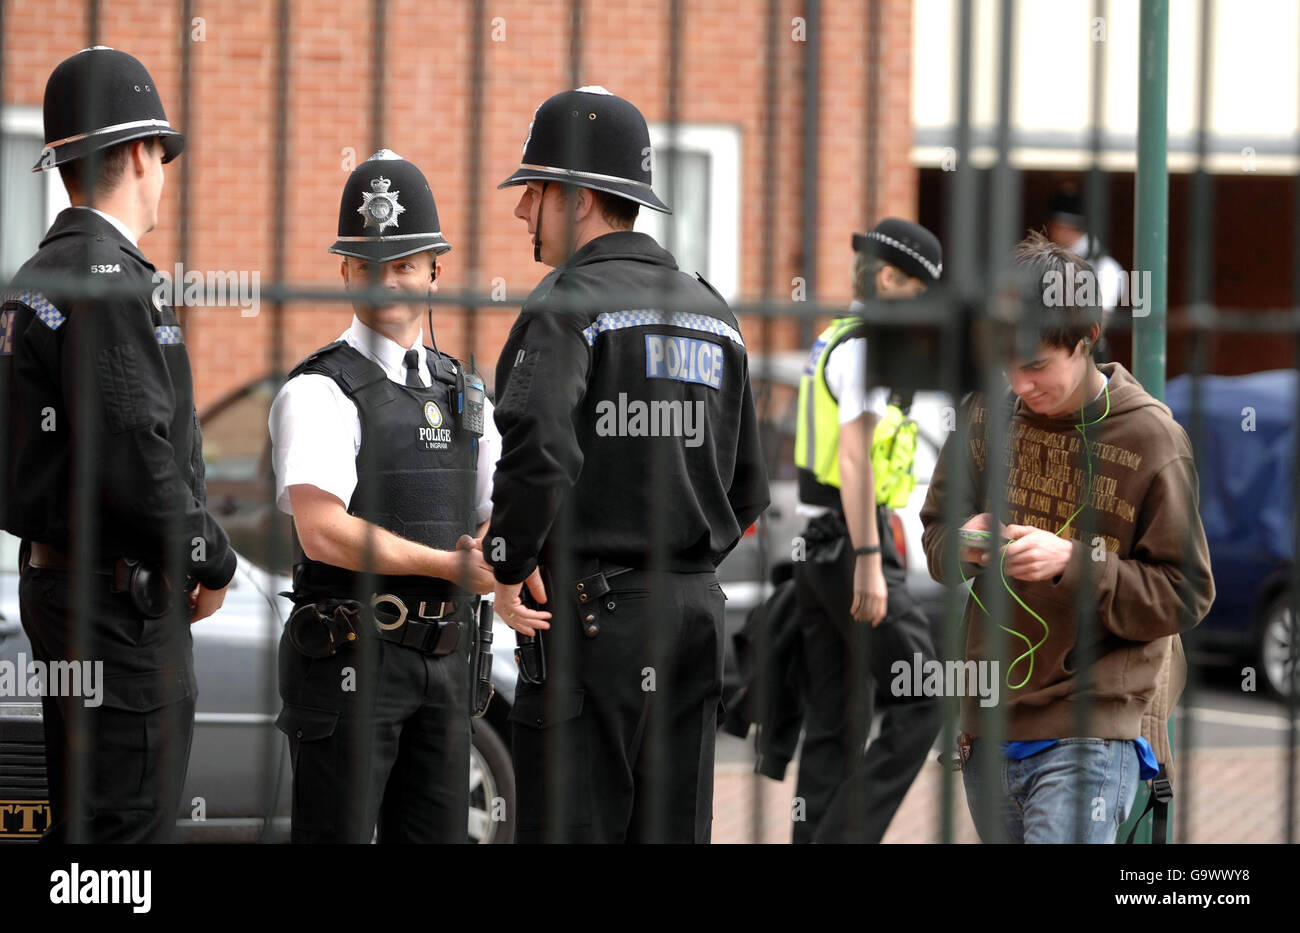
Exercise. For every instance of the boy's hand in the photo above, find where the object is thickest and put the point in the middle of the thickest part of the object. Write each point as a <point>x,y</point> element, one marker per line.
<point>976,555</point>
<point>1035,554</point>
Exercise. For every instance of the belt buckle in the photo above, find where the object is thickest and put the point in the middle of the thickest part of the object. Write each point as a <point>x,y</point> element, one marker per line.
<point>395,601</point>
<point>442,611</point>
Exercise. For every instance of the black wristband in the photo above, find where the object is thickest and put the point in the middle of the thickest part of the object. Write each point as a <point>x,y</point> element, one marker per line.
<point>864,551</point>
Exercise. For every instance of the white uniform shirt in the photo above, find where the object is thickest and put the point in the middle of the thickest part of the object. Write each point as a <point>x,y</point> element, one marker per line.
<point>846,375</point>
<point>316,430</point>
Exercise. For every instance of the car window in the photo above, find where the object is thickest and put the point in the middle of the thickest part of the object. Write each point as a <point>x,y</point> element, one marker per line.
<point>235,434</point>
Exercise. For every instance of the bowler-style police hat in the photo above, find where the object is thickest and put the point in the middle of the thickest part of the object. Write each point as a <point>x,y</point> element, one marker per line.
<point>387,211</point>
<point>593,139</point>
<point>904,245</point>
<point>98,98</point>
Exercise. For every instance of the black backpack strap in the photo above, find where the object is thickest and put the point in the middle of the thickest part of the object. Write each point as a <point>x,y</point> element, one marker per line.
<point>1162,791</point>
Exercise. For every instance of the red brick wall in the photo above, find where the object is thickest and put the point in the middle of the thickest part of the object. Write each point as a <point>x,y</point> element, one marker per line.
<point>428,54</point>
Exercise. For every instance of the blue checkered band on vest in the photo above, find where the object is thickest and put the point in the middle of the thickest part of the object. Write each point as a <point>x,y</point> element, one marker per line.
<point>617,320</point>
<point>43,308</point>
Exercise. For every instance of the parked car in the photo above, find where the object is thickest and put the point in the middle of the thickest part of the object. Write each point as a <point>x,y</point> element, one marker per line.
<point>239,772</point>
<point>1245,458</point>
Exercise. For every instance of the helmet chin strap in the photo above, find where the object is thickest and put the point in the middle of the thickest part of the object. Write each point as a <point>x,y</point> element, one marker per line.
<point>537,235</point>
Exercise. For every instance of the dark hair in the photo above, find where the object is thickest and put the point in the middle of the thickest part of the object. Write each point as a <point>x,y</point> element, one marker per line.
<point>619,213</point>
<point>1054,285</point>
<point>107,165</point>
<point>866,268</point>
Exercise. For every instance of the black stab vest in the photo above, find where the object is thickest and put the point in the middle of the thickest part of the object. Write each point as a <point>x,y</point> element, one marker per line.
<point>416,469</point>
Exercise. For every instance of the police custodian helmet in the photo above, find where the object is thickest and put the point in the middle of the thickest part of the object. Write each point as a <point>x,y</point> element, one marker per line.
<point>593,139</point>
<point>98,98</point>
<point>387,211</point>
<point>905,245</point>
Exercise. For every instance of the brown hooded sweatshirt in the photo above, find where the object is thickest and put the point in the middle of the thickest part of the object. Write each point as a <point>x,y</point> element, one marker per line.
<point>1145,563</point>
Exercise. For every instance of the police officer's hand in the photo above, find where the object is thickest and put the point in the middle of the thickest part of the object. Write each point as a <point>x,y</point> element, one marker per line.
<point>510,607</point>
<point>870,596</point>
<point>475,573</point>
<point>204,602</point>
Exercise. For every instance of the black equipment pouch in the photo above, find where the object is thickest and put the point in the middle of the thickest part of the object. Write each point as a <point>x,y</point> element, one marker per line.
<point>324,628</point>
<point>825,538</point>
<point>531,658</point>
<point>483,689</point>
<point>147,586</point>
<point>591,588</point>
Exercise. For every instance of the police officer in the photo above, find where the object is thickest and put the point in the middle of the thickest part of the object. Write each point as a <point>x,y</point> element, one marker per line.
<point>628,515</point>
<point>106,463</point>
<point>382,449</point>
<point>857,618</point>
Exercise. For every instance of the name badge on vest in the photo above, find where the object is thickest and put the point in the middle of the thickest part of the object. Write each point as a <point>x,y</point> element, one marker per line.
<point>433,433</point>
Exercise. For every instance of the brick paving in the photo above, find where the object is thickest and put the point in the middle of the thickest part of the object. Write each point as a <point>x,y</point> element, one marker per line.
<point>1236,795</point>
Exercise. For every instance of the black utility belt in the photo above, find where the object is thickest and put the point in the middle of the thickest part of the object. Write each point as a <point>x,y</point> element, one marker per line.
<point>324,627</point>
<point>143,583</point>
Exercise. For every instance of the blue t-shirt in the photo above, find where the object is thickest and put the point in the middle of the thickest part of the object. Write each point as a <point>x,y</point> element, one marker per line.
<point>1148,767</point>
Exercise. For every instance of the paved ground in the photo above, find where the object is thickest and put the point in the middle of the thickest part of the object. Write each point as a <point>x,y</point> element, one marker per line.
<point>1232,795</point>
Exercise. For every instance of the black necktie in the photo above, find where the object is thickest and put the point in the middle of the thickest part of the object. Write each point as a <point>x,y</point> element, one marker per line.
<point>413,369</point>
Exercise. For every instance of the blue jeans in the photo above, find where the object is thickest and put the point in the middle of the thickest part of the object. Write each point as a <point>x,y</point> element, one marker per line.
<point>1079,790</point>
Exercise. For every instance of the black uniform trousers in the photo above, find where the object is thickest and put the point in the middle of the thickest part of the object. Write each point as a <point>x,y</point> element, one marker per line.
<point>849,795</point>
<point>379,736</point>
<point>618,744</point>
<point>134,746</point>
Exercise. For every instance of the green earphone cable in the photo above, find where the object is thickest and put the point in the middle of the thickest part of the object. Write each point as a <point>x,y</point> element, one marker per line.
<point>1082,428</point>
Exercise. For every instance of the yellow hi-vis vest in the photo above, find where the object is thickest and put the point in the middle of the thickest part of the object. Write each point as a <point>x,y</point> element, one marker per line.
<point>817,431</point>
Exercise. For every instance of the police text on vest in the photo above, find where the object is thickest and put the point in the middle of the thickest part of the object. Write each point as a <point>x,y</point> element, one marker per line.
<point>683,359</point>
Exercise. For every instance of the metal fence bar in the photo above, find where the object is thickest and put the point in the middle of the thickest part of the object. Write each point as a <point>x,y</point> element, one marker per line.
<point>274,751</point>
<point>809,204</point>
<point>1293,576</point>
<point>767,267</point>
<point>1199,294</point>
<point>975,257</point>
<point>1151,193</point>
<point>959,237</point>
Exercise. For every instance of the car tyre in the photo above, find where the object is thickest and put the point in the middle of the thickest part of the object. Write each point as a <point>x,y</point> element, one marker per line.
<point>1276,647</point>
<point>492,788</point>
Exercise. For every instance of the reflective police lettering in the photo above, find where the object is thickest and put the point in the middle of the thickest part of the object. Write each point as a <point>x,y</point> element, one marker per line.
<point>810,367</point>
<point>6,331</point>
<point>435,436</point>
<point>683,359</point>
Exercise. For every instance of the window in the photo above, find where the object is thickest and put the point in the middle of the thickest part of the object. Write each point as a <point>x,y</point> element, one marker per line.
<point>701,168</point>
<point>30,200</point>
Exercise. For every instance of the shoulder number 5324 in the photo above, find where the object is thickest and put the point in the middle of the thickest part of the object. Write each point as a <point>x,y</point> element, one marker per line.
<point>115,267</point>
